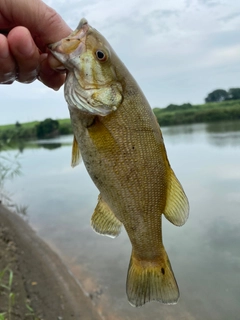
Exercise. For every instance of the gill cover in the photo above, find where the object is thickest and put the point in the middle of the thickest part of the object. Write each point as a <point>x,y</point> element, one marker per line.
<point>91,83</point>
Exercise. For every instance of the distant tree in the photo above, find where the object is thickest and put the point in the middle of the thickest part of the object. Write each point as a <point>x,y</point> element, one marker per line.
<point>185,106</point>
<point>65,128</point>
<point>171,107</point>
<point>234,94</point>
<point>47,128</point>
<point>217,96</point>
<point>17,124</point>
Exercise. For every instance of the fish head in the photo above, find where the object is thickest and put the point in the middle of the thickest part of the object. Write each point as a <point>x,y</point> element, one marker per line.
<point>92,84</point>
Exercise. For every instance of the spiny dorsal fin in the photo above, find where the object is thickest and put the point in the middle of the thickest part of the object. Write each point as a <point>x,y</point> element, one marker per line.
<point>177,206</point>
<point>104,221</point>
<point>76,155</point>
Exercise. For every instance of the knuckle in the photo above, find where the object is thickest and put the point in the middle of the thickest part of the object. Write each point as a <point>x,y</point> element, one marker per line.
<point>52,17</point>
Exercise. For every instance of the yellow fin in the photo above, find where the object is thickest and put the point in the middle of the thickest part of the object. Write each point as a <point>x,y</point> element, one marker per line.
<point>76,155</point>
<point>104,221</point>
<point>177,206</point>
<point>151,280</point>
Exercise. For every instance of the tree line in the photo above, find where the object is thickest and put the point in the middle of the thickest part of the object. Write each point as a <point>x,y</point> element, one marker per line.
<point>223,109</point>
<point>48,128</point>
<point>219,95</point>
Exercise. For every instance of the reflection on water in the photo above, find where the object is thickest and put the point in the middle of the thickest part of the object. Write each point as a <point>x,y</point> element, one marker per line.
<point>223,127</point>
<point>224,133</point>
<point>205,253</point>
<point>50,146</point>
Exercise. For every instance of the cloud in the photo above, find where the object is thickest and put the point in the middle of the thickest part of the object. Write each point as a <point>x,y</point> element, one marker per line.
<point>210,3</point>
<point>229,17</point>
<point>178,51</point>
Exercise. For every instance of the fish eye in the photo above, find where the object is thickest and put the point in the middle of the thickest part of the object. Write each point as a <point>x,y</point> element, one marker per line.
<point>101,55</point>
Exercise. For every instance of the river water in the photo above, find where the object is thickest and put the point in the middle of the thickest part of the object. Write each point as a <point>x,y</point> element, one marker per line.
<point>204,253</point>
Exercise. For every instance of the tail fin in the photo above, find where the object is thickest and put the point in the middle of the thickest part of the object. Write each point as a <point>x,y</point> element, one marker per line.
<point>147,281</point>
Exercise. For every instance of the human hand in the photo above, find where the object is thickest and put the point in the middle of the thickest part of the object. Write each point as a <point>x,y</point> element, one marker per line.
<point>26,28</point>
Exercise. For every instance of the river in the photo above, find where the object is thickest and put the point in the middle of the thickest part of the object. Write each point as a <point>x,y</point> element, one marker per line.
<point>204,253</point>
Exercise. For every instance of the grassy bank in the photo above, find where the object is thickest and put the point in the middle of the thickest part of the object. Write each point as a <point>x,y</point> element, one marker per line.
<point>208,112</point>
<point>28,130</point>
<point>171,115</point>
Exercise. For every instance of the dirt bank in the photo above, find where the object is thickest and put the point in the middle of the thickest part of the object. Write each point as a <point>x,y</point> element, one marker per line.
<point>41,287</point>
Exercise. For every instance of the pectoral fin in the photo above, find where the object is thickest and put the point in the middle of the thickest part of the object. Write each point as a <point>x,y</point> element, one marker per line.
<point>104,221</point>
<point>177,206</point>
<point>76,155</point>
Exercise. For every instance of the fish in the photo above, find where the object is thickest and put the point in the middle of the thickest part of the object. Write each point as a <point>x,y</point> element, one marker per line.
<point>119,139</point>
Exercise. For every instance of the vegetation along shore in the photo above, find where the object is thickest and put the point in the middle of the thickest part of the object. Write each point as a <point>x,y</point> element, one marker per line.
<point>219,105</point>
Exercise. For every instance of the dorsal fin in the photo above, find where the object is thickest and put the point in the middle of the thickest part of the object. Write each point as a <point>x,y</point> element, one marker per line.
<point>104,221</point>
<point>177,206</point>
<point>76,155</point>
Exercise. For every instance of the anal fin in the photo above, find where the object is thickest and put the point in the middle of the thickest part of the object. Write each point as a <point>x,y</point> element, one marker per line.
<point>76,155</point>
<point>177,206</point>
<point>104,221</point>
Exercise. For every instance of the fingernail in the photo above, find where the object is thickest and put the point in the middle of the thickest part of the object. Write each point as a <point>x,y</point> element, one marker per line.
<point>56,88</point>
<point>8,82</point>
<point>53,63</point>
<point>8,78</point>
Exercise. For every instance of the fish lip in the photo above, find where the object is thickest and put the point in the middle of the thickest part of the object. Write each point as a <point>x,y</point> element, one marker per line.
<point>79,33</point>
<point>62,51</point>
<point>65,58</point>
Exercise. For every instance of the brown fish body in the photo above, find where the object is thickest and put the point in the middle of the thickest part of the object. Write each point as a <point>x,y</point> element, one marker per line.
<point>125,156</point>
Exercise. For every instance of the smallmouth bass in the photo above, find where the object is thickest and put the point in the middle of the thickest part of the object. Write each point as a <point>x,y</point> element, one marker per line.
<point>121,144</point>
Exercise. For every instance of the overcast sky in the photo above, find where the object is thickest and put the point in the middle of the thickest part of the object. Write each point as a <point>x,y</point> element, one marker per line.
<point>178,51</point>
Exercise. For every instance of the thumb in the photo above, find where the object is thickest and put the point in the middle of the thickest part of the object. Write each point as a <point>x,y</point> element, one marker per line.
<point>44,23</point>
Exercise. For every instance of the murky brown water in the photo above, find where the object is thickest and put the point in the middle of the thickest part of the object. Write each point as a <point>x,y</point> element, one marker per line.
<point>205,253</point>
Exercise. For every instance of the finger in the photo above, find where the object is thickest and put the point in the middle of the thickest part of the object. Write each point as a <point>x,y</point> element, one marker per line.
<point>48,76</point>
<point>25,53</point>
<point>45,24</point>
<point>7,63</point>
<point>56,27</point>
<point>53,62</point>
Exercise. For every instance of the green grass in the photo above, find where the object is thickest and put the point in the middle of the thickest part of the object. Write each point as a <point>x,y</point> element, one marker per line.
<point>32,124</point>
<point>171,115</point>
<point>64,121</point>
<point>6,281</point>
<point>26,131</point>
<point>6,284</point>
<point>26,125</point>
<point>208,112</point>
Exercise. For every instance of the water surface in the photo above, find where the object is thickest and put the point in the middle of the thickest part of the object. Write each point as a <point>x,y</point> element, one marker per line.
<point>204,253</point>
